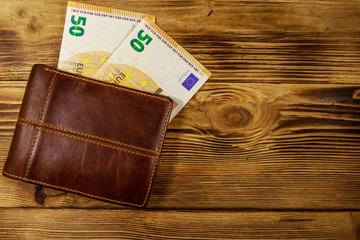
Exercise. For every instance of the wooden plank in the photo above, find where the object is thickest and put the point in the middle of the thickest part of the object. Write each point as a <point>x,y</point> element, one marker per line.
<point>127,224</point>
<point>248,146</point>
<point>276,127</point>
<point>278,41</point>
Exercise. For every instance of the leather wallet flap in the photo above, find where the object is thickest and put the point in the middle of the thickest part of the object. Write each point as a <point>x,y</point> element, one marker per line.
<point>88,137</point>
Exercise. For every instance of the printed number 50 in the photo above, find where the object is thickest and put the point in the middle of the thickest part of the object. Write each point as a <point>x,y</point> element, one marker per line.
<point>137,45</point>
<point>77,31</point>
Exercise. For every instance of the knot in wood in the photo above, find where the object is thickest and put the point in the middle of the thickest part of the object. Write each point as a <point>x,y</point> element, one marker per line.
<point>234,117</point>
<point>21,13</point>
<point>356,94</point>
<point>39,195</point>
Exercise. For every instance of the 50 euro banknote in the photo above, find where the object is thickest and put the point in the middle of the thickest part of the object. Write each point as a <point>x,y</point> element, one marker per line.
<point>91,34</point>
<point>148,59</point>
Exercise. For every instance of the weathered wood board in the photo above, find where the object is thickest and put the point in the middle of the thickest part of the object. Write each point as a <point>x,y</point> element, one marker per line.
<point>127,224</point>
<point>275,130</point>
<point>257,146</point>
<point>238,41</point>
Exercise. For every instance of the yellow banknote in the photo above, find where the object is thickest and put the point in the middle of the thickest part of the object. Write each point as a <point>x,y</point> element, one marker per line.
<point>150,60</point>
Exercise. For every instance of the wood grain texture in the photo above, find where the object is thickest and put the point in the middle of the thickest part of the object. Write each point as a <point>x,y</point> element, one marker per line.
<point>278,41</point>
<point>126,224</point>
<point>243,146</point>
<point>276,127</point>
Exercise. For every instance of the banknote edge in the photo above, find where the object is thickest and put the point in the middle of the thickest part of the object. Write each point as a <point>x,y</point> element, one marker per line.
<point>110,10</point>
<point>182,50</point>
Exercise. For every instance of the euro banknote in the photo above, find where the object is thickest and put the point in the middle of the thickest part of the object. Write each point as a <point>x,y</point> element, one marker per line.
<point>148,59</point>
<point>91,34</point>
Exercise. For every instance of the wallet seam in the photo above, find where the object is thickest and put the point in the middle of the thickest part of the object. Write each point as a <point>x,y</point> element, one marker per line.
<point>70,190</point>
<point>107,85</point>
<point>157,155</point>
<point>54,127</point>
<point>37,131</point>
<point>163,130</point>
<point>83,139</point>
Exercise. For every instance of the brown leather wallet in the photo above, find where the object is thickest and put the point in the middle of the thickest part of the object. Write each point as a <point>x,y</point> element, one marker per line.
<point>88,137</point>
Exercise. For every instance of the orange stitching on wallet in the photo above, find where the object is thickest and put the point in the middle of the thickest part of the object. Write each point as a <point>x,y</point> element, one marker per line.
<point>37,131</point>
<point>71,190</point>
<point>107,85</point>
<point>157,155</point>
<point>85,134</point>
<point>84,139</point>
<point>29,158</point>
<point>163,130</point>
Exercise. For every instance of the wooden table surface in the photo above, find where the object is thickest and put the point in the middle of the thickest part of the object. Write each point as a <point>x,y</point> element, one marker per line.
<point>269,148</point>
